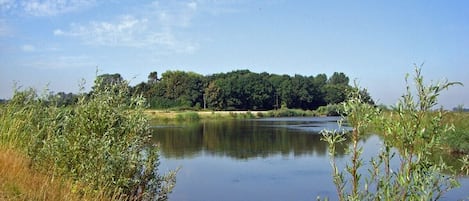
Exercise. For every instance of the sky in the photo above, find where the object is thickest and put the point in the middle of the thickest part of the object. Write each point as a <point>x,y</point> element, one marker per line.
<point>55,44</point>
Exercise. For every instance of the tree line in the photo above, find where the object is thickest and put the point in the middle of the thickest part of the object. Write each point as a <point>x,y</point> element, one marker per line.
<point>235,90</point>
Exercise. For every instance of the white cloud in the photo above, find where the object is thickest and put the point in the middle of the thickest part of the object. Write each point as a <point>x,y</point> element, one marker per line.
<point>28,48</point>
<point>6,5</point>
<point>54,7</point>
<point>155,28</point>
<point>192,5</point>
<point>44,7</point>
<point>58,32</point>
<point>174,15</point>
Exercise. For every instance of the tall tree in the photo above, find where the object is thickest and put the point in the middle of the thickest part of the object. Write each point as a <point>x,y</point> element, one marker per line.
<point>184,87</point>
<point>107,80</point>
<point>339,78</point>
<point>153,78</point>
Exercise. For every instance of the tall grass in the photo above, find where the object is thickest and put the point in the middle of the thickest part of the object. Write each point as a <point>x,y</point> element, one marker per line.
<point>100,144</point>
<point>187,116</point>
<point>458,139</point>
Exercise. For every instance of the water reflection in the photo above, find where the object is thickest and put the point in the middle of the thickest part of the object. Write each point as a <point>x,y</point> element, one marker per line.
<point>267,159</point>
<point>245,139</point>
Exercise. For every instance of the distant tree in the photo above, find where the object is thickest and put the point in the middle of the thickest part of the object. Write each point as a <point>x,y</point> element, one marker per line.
<point>106,80</point>
<point>259,92</point>
<point>65,99</point>
<point>460,108</point>
<point>338,78</point>
<point>335,89</point>
<point>183,87</point>
<point>282,89</point>
<point>320,81</point>
<point>141,89</point>
<point>153,78</point>
<point>241,90</point>
<point>213,96</point>
<point>366,98</point>
<point>335,93</point>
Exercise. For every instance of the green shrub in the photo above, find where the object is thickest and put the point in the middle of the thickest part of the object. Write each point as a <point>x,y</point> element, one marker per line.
<point>330,110</point>
<point>285,112</point>
<point>458,139</point>
<point>101,143</point>
<point>413,129</point>
<point>187,116</point>
<point>260,114</point>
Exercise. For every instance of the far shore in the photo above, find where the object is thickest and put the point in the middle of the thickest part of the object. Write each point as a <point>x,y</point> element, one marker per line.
<point>169,115</point>
<point>194,115</point>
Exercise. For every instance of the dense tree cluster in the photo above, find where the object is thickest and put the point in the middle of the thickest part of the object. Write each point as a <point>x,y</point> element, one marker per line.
<point>236,90</point>
<point>243,90</point>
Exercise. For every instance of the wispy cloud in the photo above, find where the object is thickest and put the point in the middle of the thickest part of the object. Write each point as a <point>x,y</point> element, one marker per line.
<point>28,48</point>
<point>44,7</point>
<point>155,27</point>
<point>177,14</point>
<point>6,5</point>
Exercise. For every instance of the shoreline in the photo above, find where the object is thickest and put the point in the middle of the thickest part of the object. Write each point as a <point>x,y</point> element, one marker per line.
<point>168,115</point>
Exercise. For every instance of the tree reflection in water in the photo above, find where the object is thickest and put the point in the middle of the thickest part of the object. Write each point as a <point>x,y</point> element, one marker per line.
<point>244,139</point>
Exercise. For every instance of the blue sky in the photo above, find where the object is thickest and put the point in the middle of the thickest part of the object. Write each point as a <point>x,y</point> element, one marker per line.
<point>56,43</point>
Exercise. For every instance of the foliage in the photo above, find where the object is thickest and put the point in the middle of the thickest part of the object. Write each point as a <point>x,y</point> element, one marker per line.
<point>285,112</point>
<point>187,116</point>
<point>458,139</point>
<point>414,129</point>
<point>100,143</point>
<point>242,90</point>
<point>330,110</point>
<point>236,90</point>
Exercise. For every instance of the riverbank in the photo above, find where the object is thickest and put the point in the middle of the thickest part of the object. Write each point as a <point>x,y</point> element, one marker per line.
<point>456,142</point>
<point>168,115</point>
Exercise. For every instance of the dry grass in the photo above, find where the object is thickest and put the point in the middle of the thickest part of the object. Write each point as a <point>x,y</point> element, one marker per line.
<point>19,182</point>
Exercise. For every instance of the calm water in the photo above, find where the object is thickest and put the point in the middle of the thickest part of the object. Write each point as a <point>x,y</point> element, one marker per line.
<point>263,159</point>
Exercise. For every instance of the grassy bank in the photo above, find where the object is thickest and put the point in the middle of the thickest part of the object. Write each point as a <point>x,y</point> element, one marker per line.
<point>172,115</point>
<point>456,141</point>
<point>19,182</point>
<point>96,149</point>
<point>179,116</point>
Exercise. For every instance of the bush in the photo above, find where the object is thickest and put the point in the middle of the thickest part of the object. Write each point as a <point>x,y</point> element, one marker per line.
<point>101,143</point>
<point>415,131</point>
<point>187,116</point>
<point>458,139</point>
<point>330,110</point>
<point>285,112</point>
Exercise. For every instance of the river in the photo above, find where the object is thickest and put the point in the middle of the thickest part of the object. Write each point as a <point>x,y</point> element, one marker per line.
<point>260,159</point>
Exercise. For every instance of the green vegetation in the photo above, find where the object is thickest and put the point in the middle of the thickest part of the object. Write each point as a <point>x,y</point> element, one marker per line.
<point>233,91</point>
<point>97,147</point>
<point>187,116</point>
<point>457,140</point>
<point>190,116</point>
<point>412,133</point>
